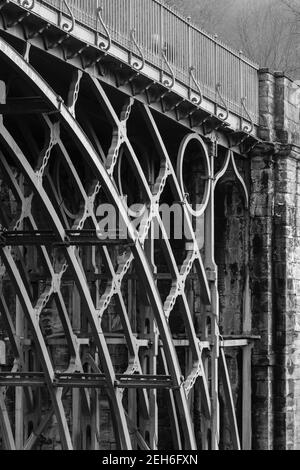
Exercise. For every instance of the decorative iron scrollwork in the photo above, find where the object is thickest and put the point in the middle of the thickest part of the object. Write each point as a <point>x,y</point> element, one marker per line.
<point>102,45</point>
<point>247,128</point>
<point>136,65</point>
<point>65,26</point>
<point>231,159</point>
<point>193,99</point>
<point>180,161</point>
<point>166,82</point>
<point>222,115</point>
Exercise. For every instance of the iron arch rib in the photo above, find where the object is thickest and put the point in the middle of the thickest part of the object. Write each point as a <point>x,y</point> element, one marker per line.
<point>87,150</point>
<point>20,160</point>
<point>56,395</point>
<point>75,361</point>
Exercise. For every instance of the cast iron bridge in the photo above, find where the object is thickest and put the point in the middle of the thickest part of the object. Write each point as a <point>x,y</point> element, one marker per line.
<point>109,103</point>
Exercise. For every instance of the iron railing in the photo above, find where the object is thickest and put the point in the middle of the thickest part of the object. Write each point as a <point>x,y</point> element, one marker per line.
<point>224,75</point>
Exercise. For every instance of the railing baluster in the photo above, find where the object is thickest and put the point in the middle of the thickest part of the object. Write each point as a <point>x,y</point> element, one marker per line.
<point>161,40</point>
<point>189,55</point>
<point>156,26</point>
<point>241,83</point>
<point>216,82</point>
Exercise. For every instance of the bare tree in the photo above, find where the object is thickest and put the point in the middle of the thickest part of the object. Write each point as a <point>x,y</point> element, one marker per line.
<point>266,32</point>
<point>294,6</point>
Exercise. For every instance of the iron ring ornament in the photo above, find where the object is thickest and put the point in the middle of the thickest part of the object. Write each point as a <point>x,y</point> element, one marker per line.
<point>180,162</point>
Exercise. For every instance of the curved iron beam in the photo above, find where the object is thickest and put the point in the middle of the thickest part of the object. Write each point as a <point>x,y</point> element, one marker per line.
<point>179,277</point>
<point>139,212</point>
<point>197,370</point>
<point>114,285</point>
<point>178,196</point>
<point>104,47</point>
<point>75,358</point>
<point>142,264</point>
<point>13,57</point>
<point>82,286</point>
<point>180,159</point>
<point>75,361</point>
<point>230,158</point>
<point>40,344</point>
<point>138,251</point>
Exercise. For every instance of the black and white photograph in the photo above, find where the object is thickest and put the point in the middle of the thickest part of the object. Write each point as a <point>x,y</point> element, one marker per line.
<point>149,229</point>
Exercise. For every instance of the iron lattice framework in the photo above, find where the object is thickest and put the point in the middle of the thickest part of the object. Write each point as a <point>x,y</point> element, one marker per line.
<point>138,283</point>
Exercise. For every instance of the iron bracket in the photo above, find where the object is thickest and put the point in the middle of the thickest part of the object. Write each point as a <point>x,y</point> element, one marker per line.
<point>213,127</point>
<point>92,62</point>
<point>161,99</point>
<point>16,22</point>
<point>121,81</point>
<point>37,32</point>
<point>78,52</point>
<point>58,42</point>
<point>199,122</point>
<point>146,91</point>
<point>240,139</point>
<point>175,106</point>
<point>249,148</point>
<point>134,91</point>
<point>189,114</point>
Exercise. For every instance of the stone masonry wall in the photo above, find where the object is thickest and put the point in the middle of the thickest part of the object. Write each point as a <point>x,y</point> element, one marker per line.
<point>275,234</point>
